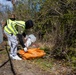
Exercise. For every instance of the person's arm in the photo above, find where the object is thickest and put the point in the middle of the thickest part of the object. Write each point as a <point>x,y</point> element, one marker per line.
<point>4,24</point>
<point>21,42</point>
<point>24,34</point>
<point>19,36</point>
<point>19,27</point>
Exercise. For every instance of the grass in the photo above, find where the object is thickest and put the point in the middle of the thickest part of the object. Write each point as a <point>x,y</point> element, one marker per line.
<point>43,63</point>
<point>3,52</point>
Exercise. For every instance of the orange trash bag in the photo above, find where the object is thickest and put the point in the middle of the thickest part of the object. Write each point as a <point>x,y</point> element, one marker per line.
<point>31,53</point>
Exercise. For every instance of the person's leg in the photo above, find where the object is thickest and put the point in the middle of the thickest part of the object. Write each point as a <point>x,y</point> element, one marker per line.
<point>12,41</point>
<point>29,40</point>
<point>14,44</point>
<point>8,37</point>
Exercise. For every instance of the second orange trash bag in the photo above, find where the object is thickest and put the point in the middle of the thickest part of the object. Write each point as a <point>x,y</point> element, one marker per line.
<point>31,53</point>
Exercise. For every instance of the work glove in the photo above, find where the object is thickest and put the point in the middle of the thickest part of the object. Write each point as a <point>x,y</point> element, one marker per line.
<point>25,49</point>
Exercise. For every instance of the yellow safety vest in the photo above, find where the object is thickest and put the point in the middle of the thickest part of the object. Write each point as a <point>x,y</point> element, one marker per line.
<point>12,26</point>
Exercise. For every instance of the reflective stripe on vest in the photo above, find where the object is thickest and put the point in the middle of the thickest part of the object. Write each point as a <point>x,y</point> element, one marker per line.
<point>11,27</point>
<point>20,23</point>
<point>9,21</point>
<point>6,28</point>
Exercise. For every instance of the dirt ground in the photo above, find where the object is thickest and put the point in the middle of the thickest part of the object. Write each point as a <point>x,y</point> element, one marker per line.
<point>27,67</point>
<point>21,68</point>
<point>16,67</point>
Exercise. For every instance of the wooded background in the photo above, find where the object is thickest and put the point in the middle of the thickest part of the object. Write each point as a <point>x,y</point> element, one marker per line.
<point>54,23</point>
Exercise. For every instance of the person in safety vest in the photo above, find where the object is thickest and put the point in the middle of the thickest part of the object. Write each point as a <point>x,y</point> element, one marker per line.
<point>13,32</point>
<point>12,18</point>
